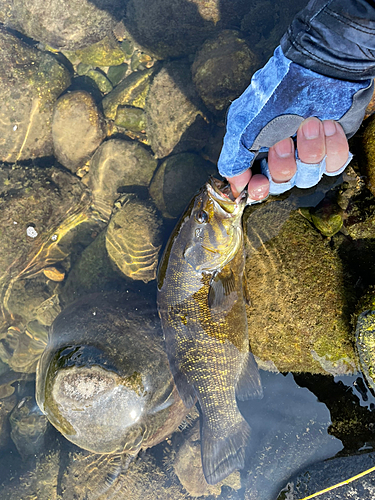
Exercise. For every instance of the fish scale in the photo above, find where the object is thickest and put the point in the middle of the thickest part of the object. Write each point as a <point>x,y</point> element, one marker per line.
<point>202,309</point>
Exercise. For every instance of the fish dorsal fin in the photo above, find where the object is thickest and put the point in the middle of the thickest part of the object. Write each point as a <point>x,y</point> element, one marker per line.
<point>222,293</point>
<point>249,385</point>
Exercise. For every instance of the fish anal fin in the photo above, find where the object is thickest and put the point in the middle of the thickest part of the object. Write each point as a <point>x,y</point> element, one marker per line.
<point>221,455</point>
<point>249,385</point>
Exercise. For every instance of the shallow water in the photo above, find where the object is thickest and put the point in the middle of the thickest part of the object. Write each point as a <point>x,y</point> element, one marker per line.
<point>303,418</point>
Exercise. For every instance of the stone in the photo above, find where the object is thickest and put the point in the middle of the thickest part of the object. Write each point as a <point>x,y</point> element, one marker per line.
<point>177,180</point>
<point>106,52</point>
<point>30,83</point>
<point>118,163</point>
<point>78,128</point>
<point>175,120</point>
<point>62,24</point>
<point>222,69</point>
<point>300,297</point>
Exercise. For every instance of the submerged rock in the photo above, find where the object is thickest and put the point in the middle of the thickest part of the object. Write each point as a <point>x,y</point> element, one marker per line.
<point>105,358</point>
<point>106,52</point>
<point>133,239</point>
<point>131,91</point>
<point>62,24</point>
<point>177,180</point>
<point>300,298</point>
<point>175,121</point>
<point>222,69</point>
<point>78,129</point>
<point>115,164</point>
<point>29,427</point>
<point>30,83</point>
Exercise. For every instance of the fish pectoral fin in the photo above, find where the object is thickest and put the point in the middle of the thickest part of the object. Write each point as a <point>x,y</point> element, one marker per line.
<point>222,454</point>
<point>222,293</point>
<point>249,385</point>
<point>246,291</point>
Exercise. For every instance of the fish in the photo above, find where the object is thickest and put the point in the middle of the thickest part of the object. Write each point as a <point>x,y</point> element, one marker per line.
<point>201,297</point>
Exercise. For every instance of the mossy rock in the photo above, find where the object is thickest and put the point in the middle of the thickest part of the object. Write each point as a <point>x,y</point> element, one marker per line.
<point>300,300</point>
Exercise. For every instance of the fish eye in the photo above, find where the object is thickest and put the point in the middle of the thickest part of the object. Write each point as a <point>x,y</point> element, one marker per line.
<point>201,217</point>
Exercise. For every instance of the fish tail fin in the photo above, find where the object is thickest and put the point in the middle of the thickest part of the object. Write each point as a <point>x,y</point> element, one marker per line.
<point>222,454</point>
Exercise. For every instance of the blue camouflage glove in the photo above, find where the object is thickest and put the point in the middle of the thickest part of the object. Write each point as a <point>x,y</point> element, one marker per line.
<point>280,96</point>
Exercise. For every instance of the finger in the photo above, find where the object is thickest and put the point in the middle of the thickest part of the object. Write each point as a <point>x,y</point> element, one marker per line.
<point>281,160</point>
<point>337,147</point>
<point>311,141</point>
<point>259,187</point>
<point>239,182</point>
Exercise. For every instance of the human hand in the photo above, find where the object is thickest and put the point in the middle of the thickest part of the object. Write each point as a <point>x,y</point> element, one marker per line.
<point>315,140</point>
<point>284,99</point>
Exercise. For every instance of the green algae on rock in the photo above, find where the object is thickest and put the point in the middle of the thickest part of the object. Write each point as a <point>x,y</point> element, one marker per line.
<point>365,343</point>
<point>30,83</point>
<point>106,52</point>
<point>78,128</point>
<point>131,118</point>
<point>131,91</point>
<point>222,69</point>
<point>300,302</point>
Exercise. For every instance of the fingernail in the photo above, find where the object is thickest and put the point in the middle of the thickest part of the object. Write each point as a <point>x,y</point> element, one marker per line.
<point>329,128</point>
<point>311,129</point>
<point>259,193</point>
<point>284,148</point>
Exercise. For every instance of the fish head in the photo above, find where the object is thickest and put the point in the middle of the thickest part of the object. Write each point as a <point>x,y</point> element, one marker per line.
<point>215,234</point>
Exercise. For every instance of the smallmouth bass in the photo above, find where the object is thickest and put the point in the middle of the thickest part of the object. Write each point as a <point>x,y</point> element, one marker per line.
<point>201,303</point>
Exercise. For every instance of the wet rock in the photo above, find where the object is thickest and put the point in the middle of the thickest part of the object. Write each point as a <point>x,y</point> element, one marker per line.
<point>117,73</point>
<point>106,52</point>
<point>131,118</point>
<point>176,181</point>
<point>40,481</point>
<point>188,467</point>
<point>30,83</point>
<point>170,28</point>
<point>78,129</point>
<point>93,272</point>
<point>324,475</point>
<point>175,121</point>
<point>133,239</point>
<point>141,60</point>
<point>115,164</point>
<point>56,206</point>
<point>101,81</point>
<point>67,24</point>
<point>327,217</point>
<point>104,381</point>
<point>222,69</point>
<point>131,92</point>
<point>367,164</point>
<point>6,406</point>
<point>29,427</point>
<point>300,296</point>
<point>365,344</point>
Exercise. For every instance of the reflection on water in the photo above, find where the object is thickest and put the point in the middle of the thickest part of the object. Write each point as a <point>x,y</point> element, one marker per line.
<point>113,162</point>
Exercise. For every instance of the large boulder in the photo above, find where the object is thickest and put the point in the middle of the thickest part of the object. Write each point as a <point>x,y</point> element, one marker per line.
<point>62,24</point>
<point>30,83</point>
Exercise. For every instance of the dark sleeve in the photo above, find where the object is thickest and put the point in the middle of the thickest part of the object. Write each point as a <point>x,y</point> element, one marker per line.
<point>335,38</point>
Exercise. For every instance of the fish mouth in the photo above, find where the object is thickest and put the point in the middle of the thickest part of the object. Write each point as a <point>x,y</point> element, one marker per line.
<point>220,192</point>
